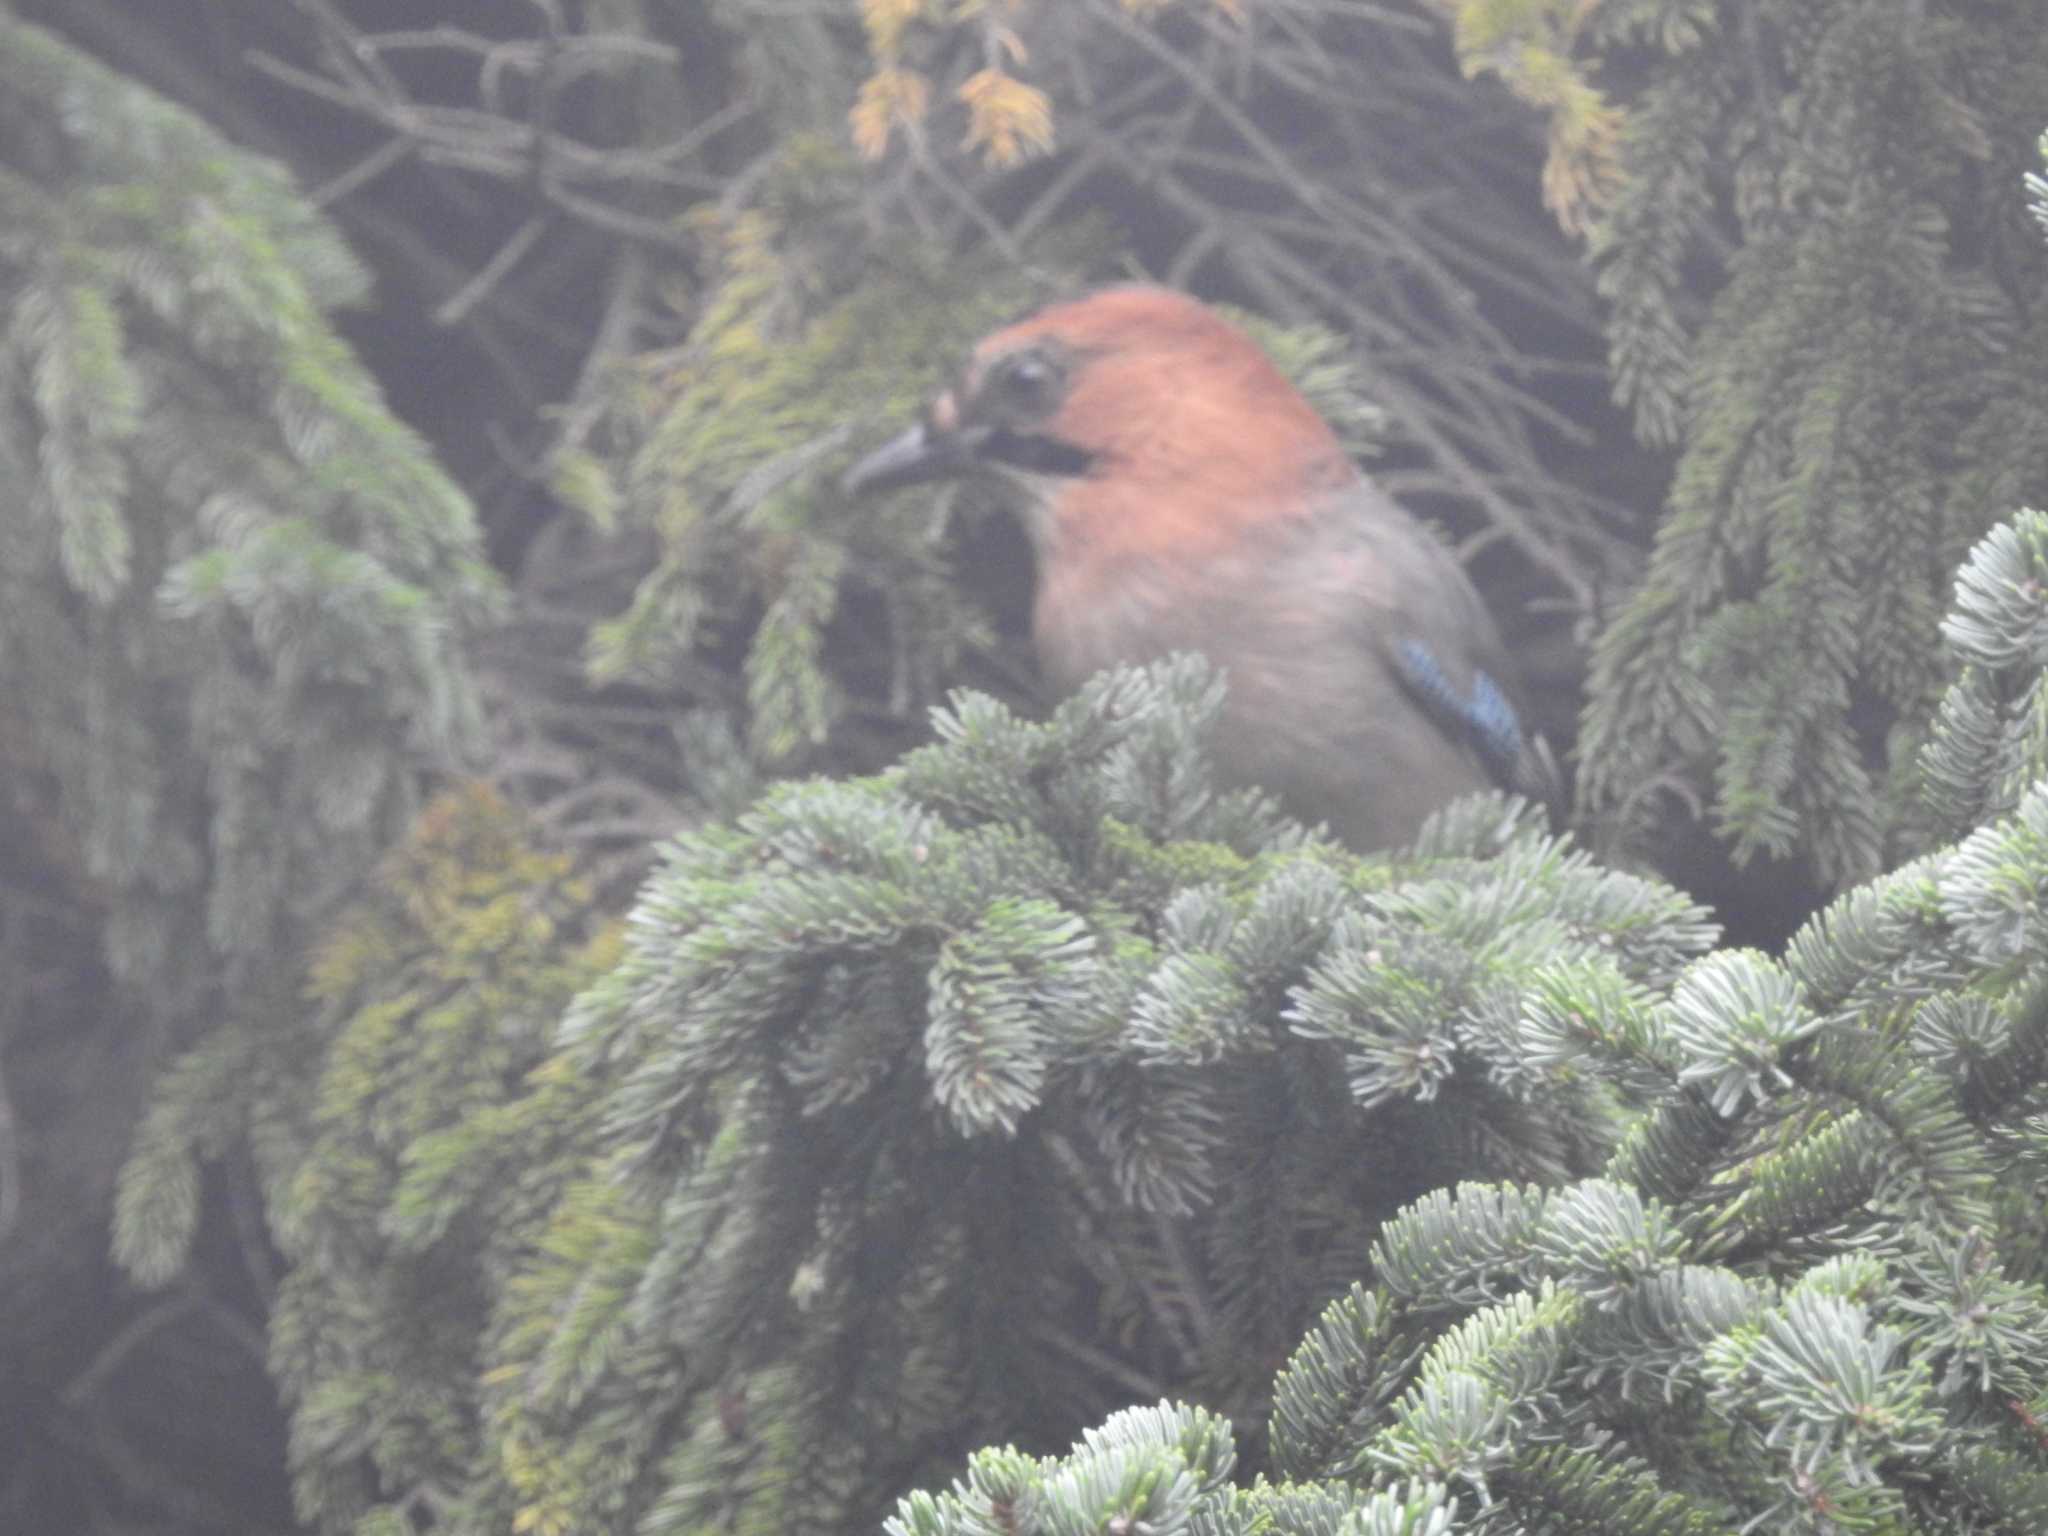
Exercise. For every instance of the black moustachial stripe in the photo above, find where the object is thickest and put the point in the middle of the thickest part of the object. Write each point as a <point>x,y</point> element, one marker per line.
<point>1037,453</point>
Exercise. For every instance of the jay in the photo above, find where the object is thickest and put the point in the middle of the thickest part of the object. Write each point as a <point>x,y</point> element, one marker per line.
<point>1181,494</point>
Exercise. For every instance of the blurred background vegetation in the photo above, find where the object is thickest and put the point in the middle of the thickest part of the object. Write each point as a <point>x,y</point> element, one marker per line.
<point>416,400</point>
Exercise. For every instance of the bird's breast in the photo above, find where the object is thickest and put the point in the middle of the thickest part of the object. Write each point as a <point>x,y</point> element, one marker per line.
<point>1276,608</point>
<point>1311,713</point>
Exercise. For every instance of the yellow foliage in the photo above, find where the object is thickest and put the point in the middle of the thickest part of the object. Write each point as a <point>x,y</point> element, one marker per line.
<point>889,98</point>
<point>581,480</point>
<point>541,1520</point>
<point>887,20</point>
<point>1582,168</point>
<point>1006,119</point>
<point>1528,44</point>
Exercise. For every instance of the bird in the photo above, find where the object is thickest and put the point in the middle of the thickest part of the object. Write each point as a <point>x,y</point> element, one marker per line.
<point>1180,494</point>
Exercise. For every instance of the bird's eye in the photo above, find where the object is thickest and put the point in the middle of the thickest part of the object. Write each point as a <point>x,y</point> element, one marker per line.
<point>1028,381</point>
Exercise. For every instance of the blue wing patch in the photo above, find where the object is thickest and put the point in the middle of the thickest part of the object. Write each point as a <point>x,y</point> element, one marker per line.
<point>1484,718</point>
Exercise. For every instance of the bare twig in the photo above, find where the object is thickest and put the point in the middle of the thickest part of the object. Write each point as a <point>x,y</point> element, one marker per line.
<point>363,172</point>
<point>80,1391</point>
<point>14,977</point>
<point>1306,192</point>
<point>458,305</point>
<point>558,169</point>
<point>616,331</point>
<point>10,1161</point>
<point>1137,1384</point>
<point>245,1209</point>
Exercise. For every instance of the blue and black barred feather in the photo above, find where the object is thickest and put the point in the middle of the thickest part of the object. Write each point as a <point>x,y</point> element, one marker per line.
<point>1485,719</point>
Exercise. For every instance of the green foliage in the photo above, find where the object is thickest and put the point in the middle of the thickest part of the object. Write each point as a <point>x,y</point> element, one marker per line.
<point>235,600</point>
<point>1856,400</point>
<point>435,1139</point>
<point>2037,191</point>
<point>1035,1077</point>
<point>1036,1074</point>
<point>1990,738</point>
<point>231,584</point>
<point>1792,1300</point>
<point>951,1102</point>
<point>737,438</point>
<point>1149,1466</point>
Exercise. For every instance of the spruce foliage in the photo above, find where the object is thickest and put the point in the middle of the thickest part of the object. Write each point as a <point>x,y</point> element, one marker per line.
<point>231,584</point>
<point>1806,1292</point>
<point>972,1098</point>
<point>233,590</point>
<point>428,1150</point>
<point>979,1098</point>
<point>1855,392</point>
<point>235,595</point>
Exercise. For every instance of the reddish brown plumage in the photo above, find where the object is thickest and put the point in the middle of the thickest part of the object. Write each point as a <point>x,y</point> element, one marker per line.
<point>1199,441</point>
<point>1162,384</point>
<point>1181,494</point>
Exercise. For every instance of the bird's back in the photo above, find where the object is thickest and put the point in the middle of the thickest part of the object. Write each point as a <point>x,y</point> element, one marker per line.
<point>1307,618</point>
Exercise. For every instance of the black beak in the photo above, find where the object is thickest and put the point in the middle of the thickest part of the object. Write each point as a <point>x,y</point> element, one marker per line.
<point>909,459</point>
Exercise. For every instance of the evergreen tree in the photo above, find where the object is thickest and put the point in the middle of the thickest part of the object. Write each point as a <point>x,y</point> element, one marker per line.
<point>233,596</point>
<point>1825,294</point>
<point>975,1098</point>
<point>977,1093</point>
<point>1807,1291</point>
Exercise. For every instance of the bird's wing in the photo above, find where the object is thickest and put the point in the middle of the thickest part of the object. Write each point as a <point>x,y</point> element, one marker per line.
<point>1433,632</point>
<point>1481,715</point>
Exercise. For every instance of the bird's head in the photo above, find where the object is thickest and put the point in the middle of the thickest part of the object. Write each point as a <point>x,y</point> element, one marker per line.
<point>1133,421</point>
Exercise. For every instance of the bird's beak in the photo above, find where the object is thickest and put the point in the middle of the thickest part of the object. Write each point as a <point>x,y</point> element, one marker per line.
<point>923,453</point>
